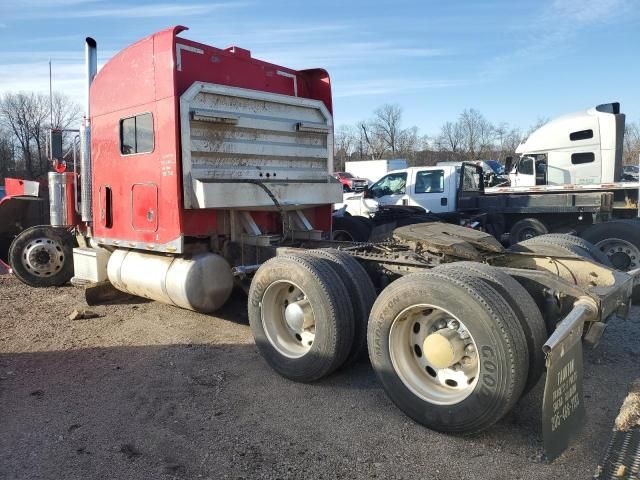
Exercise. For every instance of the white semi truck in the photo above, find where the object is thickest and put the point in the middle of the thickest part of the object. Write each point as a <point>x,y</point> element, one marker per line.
<point>563,182</point>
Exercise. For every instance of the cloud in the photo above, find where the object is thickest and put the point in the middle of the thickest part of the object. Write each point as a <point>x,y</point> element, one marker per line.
<point>336,54</point>
<point>359,88</point>
<point>153,10</point>
<point>587,11</point>
<point>555,29</point>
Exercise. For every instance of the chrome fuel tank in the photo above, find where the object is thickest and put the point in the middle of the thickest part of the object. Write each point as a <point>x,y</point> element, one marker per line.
<point>200,282</point>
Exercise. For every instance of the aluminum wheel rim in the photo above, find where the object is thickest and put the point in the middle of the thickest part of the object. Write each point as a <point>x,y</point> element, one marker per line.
<point>441,386</point>
<point>288,319</point>
<point>43,257</point>
<point>623,255</point>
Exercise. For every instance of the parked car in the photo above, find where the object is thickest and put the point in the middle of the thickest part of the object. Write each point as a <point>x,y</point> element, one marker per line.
<point>350,183</point>
<point>630,173</point>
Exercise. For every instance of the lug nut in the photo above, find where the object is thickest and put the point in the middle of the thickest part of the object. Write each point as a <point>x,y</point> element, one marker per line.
<point>441,324</point>
<point>454,325</point>
<point>469,349</point>
<point>466,361</point>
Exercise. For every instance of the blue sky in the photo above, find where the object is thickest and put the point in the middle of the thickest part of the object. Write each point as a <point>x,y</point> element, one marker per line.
<point>515,61</point>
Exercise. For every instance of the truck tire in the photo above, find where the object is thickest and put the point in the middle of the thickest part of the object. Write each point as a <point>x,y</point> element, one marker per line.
<point>523,305</point>
<point>348,229</point>
<point>300,322</point>
<point>362,296</point>
<point>42,256</point>
<point>366,223</point>
<point>525,229</point>
<point>570,243</point>
<point>619,240</point>
<point>413,340</point>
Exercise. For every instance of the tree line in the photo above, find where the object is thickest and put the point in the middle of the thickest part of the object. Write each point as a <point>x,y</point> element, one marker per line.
<point>471,136</point>
<point>25,121</point>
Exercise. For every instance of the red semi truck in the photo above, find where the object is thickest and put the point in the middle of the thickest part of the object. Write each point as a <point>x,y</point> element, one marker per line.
<point>204,168</point>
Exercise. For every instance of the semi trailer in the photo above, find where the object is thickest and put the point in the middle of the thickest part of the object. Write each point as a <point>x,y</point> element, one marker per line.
<point>202,169</point>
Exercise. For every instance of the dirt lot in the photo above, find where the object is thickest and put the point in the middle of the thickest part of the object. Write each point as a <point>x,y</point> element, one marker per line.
<point>151,391</point>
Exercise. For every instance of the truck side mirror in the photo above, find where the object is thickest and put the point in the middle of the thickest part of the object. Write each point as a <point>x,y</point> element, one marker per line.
<point>55,144</point>
<point>508,164</point>
<point>366,193</point>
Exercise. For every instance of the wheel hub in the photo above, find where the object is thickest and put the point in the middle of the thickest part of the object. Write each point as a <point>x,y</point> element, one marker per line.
<point>434,354</point>
<point>623,255</point>
<point>299,316</point>
<point>288,319</point>
<point>443,348</point>
<point>43,257</point>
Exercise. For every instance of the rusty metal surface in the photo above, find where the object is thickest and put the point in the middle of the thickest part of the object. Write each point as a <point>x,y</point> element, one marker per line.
<point>448,239</point>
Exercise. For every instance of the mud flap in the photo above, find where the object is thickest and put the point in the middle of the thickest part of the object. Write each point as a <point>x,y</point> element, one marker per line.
<point>562,407</point>
<point>563,411</point>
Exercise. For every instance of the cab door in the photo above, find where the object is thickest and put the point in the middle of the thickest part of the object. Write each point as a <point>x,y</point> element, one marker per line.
<point>430,192</point>
<point>390,189</point>
<point>525,175</point>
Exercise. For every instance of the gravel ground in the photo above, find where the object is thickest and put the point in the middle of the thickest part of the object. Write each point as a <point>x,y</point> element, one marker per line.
<point>151,391</point>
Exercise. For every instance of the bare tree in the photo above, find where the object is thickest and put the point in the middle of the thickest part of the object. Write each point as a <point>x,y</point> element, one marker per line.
<point>345,142</point>
<point>375,144</point>
<point>15,115</point>
<point>507,140</point>
<point>386,125</point>
<point>477,133</point>
<point>27,117</point>
<point>631,143</point>
<point>408,141</point>
<point>450,137</point>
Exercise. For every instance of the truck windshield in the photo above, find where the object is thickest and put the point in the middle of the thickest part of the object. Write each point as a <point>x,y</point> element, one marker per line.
<point>496,166</point>
<point>392,184</point>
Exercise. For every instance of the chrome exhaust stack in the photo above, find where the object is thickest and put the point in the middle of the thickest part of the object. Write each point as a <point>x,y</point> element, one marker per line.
<point>91,65</point>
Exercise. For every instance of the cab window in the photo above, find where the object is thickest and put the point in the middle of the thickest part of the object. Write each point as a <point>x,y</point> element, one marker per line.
<point>392,184</point>
<point>430,181</point>
<point>526,166</point>
<point>136,134</point>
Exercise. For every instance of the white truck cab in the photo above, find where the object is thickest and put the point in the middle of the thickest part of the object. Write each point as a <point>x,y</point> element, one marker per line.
<point>582,148</point>
<point>432,188</point>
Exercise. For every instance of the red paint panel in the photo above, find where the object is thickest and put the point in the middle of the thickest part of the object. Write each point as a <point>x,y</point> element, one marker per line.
<point>145,78</point>
<point>144,207</point>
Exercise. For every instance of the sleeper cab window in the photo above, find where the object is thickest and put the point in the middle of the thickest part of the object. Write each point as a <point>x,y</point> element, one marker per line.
<point>579,158</point>
<point>136,134</point>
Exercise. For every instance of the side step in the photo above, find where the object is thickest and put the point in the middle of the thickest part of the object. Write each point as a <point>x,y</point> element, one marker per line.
<point>622,457</point>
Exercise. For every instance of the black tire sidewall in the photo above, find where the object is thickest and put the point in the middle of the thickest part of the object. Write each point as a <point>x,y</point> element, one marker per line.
<point>470,415</point>
<point>362,297</point>
<point>356,229</point>
<point>523,305</point>
<point>324,355</point>
<point>20,243</point>
<point>527,223</point>
<point>624,230</point>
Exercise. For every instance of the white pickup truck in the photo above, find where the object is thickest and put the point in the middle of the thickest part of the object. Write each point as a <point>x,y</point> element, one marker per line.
<point>432,188</point>
<point>457,195</point>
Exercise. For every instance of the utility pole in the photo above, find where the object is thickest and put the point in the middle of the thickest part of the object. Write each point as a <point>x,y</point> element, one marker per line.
<point>50,95</point>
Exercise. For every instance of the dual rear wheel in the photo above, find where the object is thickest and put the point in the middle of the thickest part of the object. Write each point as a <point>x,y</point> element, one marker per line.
<point>308,312</point>
<point>454,347</point>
